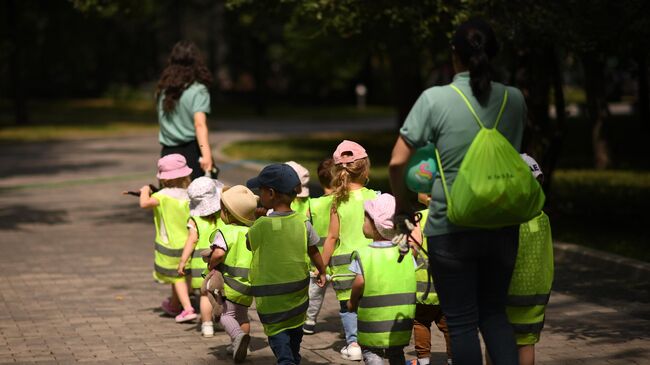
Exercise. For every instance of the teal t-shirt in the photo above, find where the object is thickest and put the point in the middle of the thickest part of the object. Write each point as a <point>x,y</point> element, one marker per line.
<point>441,117</point>
<point>177,127</point>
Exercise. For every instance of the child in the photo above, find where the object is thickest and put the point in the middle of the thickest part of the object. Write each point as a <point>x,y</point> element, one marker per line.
<point>233,259</point>
<point>384,289</point>
<point>171,211</point>
<point>319,211</point>
<point>427,310</point>
<point>345,235</point>
<point>205,205</point>
<point>279,273</point>
<point>301,203</point>
<point>530,286</point>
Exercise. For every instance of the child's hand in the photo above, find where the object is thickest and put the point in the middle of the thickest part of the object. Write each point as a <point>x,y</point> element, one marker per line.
<point>321,280</point>
<point>350,307</point>
<point>181,268</point>
<point>146,190</point>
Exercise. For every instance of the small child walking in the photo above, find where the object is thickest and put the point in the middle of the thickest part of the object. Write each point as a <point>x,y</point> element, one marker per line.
<point>345,235</point>
<point>319,212</point>
<point>279,273</point>
<point>384,289</point>
<point>205,204</point>
<point>171,211</point>
<point>233,259</point>
<point>302,201</point>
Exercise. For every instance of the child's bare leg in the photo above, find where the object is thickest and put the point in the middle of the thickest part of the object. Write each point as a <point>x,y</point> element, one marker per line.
<point>180,287</point>
<point>527,355</point>
<point>246,327</point>
<point>206,309</point>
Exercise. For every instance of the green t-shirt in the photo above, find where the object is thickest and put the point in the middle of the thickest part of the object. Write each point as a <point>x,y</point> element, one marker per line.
<point>441,117</point>
<point>177,127</point>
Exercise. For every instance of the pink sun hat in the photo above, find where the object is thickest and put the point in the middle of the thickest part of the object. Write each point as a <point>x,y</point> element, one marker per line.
<point>172,167</point>
<point>381,210</point>
<point>348,151</point>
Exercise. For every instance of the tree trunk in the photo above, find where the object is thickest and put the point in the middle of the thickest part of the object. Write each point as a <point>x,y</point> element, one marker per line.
<point>597,111</point>
<point>260,73</point>
<point>644,99</point>
<point>554,152</point>
<point>15,64</point>
<point>407,81</point>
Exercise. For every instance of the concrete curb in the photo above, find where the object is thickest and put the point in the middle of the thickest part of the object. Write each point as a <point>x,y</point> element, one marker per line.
<point>634,269</point>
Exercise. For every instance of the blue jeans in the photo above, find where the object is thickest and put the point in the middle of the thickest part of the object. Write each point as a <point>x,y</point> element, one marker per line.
<point>471,273</point>
<point>286,346</point>
<point>349,320</point>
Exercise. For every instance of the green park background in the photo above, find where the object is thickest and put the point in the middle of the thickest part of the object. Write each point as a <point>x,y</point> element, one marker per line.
<point>88,68</point>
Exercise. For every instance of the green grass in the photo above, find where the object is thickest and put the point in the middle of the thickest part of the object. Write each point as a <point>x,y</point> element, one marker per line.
<point>606,210</point>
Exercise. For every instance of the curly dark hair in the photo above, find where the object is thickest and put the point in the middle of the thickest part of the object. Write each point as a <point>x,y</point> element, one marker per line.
<point>184,67</point>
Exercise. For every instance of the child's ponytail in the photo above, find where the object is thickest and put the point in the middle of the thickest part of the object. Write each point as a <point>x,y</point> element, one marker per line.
<point>344,174</point>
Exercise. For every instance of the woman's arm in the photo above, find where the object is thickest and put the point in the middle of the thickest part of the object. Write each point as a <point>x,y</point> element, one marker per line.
<point>146,200</point>
<point>332,237</point>
<point>201,126</point>
<point>401,154</point>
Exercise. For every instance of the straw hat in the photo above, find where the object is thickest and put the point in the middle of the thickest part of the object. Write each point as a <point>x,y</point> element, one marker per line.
<point>241,203</point>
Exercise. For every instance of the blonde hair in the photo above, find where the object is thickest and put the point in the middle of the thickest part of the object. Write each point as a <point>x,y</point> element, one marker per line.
<point>179,182</point>
<point>346,173</point>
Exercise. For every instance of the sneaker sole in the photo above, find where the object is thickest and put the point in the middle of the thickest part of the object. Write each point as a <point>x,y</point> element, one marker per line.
<point>242,350</point>
<point>208,335</point>
<point>187,318</point>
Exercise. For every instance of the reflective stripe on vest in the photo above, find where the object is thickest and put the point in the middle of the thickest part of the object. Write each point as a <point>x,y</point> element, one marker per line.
<point>236,265</point>
<point>173,214</point>
<point>532,328</point>
<point>351,238</point>
<point>205,229</point>
<point>387,308</point>
<point>279,273</point>
<point>528,300</point>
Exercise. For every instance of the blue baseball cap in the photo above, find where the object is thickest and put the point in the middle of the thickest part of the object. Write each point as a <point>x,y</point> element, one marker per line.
<point>279,177</point>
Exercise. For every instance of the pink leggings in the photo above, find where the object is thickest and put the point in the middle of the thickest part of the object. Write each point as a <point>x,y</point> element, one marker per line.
<point>232,317</point>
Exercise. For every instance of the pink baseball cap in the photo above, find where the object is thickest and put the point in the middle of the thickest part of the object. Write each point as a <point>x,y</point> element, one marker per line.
<point>348,151</point>
<point>381,210</point>
<point>172,166</point>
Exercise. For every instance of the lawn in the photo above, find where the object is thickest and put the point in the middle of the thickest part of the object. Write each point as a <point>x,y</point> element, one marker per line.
<point>606,210</point>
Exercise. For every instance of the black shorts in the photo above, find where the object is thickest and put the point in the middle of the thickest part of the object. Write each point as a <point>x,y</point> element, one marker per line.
<point>191,152</point>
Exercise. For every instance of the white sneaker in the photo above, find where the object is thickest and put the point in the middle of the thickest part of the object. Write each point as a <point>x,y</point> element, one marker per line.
<point>230,350</point>
<point>352,352</point>
<point>240,347</point>
<point>207,329</point>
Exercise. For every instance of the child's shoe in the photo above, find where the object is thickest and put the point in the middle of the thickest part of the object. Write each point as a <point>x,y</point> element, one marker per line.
<point>309,327</point>
<point>186,316</point>
<point>240,347</point>
<point>230,350</point>
<point>207,329</point>
<point>169,309</point>
<point>352,352</point>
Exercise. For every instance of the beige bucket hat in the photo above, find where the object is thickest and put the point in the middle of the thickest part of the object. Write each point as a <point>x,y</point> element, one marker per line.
<point>241,203</point>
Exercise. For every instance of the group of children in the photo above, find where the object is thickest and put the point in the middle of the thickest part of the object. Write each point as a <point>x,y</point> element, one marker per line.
<point>280,248</point>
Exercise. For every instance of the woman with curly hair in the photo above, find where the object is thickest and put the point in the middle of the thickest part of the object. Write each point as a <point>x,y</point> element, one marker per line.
<point>183,104</point>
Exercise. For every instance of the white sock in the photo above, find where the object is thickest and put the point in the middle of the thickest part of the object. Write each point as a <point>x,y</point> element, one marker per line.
<point>424,361</point>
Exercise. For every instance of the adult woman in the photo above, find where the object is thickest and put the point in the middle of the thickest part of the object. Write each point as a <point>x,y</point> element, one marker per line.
<point>183,103</point>
<point>471,267</point>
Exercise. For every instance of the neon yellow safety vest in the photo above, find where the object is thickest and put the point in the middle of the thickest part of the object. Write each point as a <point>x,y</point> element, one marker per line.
<point>532,278</point>
<point>421,275</point>
<point>206,229</point>
<point>320,209</point>
<point>167,255</point>
<point>301,205</point>
<point>237,265</point>
<point>387,308</point>
<point>351,215</point>
<point>279,273</point>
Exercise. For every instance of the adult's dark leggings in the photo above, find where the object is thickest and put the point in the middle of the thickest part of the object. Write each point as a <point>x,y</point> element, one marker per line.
<point>471,273</point>
<point>191,152</point>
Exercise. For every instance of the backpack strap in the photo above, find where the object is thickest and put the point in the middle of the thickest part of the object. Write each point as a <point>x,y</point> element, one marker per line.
<point>471,109</point>
<point>444,183</point>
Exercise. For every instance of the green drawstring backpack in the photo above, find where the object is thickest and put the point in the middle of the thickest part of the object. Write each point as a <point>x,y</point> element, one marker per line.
<point>494,187</point>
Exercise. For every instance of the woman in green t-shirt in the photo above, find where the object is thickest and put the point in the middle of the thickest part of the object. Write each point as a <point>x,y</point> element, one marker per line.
<point>183,102</point>
<point>471,267</point>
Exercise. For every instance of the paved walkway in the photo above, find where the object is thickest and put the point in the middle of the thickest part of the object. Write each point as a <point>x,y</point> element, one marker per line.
<point>76,261</point>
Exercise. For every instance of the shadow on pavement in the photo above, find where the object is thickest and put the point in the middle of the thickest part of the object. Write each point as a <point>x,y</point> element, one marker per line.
<point>13,216</point>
